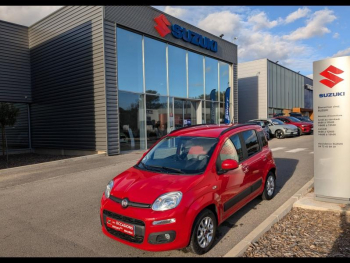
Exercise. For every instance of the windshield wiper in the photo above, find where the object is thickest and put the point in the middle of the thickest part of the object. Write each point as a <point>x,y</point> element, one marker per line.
<point>147,167</point>
<point>160,168</point>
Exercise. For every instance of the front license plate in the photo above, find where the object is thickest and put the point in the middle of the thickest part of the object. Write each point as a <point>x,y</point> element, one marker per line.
<point>121,226</point>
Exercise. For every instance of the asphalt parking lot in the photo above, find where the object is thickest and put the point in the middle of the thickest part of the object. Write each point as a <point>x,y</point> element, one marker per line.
<point>53,210</point>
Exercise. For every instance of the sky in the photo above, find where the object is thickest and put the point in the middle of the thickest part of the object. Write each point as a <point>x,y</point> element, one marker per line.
<point>296,36</point>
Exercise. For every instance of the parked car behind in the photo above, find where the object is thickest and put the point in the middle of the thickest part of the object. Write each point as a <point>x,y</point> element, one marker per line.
<point>303,127</point>
<point>186,185</point>
<point>304,118</point>
<point>279,129</point>
<point>263,126</point>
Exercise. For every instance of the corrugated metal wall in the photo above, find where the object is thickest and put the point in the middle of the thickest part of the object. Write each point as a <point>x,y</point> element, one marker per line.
<point>15,85</point>
<point>141,18</point>
<point>308,94</point>
<point>68,80</point>
<point>252,90</point>
<point>285,87</point>
<point>235,93</point>
<point>111,88</point>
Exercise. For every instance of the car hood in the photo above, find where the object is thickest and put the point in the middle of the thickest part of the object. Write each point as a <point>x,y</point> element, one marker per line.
<point>142,186</point>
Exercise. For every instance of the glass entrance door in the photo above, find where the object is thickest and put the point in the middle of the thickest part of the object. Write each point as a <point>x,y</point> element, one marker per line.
<point>186,113</point>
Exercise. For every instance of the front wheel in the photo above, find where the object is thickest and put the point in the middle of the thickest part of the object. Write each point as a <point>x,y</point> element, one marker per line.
<point>279,134</point>
<point>270,186</point>
<point>299,132</point>
<point>203,232</point>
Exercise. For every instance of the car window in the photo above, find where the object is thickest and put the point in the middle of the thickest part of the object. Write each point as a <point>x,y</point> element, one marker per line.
<point>266,123</point>
<point>262,138</point>
<point>284,120</point>
<point>185,155</point>
<point>228,151</point>
<point>251,142</point>
<point>294,119</point>
<point>237,143</point>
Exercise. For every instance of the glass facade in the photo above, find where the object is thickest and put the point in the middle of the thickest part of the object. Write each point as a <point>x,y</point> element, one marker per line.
<point>162,87</point>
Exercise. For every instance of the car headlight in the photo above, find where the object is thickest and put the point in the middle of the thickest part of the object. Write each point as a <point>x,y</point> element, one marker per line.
<point>167,201</point>
<point>109,189</point>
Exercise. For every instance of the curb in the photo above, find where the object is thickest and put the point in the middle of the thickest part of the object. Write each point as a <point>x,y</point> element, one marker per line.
<point>73,159</point>
<point>241,247</point>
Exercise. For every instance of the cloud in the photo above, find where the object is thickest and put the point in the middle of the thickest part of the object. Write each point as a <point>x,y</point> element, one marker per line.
<point>336,35</point>
<point>301,12</point>
<point>260,21</point>
<point>177,12</point>
<point>341,53</point>
<point>315,26</point>
<point>224,22</point>
<point>311,76</point>
<point>25,15</point>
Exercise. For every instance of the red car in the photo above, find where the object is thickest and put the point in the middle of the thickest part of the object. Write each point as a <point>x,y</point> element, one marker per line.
<point>303,127</point>
<point>186,185</point>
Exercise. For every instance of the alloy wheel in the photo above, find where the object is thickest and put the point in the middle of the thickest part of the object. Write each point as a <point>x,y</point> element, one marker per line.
<point>205,232</point>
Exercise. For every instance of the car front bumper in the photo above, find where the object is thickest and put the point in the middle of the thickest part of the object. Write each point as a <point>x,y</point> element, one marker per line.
<point>147,236</point>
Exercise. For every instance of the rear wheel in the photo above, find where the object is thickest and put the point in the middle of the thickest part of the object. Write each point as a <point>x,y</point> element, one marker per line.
<point>203,232</point>
<point>270,186</point>
<point>279,134</point>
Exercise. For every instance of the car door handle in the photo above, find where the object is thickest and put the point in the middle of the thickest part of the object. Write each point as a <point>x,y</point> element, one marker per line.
<point>245,168</point>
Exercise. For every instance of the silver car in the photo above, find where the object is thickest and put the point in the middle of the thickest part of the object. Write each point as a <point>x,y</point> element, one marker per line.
<point>279,129</point>
<point>263,126</point>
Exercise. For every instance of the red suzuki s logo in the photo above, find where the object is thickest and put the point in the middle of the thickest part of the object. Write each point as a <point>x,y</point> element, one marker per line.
<point>162,25</point>
<point>332,79</point>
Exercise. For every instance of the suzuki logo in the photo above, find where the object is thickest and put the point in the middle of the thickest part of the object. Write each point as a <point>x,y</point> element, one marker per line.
<point>332,79</point>
<point>162,25</point>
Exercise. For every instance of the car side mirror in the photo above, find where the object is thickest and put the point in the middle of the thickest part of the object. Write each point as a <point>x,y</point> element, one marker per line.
<point>228,165</point>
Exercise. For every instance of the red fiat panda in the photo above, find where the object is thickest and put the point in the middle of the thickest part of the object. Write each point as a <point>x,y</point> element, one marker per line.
<point>186,185</point>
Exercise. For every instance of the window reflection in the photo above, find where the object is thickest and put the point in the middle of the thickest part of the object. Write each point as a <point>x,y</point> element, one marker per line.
<point>130,76</point>
<point>177,72</point>
<point>157,118</point>
<point>195,76</point>
<point>211,79</point>
<point>224,79</point>
<point>131,119</point>
<point>155,66</point>
<point>211,112</point>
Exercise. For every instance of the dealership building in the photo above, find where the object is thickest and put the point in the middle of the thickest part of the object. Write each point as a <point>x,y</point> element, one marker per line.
<point>266,88</point>
<point>91,79</point>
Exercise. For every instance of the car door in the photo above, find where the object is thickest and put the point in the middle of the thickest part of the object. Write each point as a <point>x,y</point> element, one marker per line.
<point>254,160</point>
<point>233,182</point>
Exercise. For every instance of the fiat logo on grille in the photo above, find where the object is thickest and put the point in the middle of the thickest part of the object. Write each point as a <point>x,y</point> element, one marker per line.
<point>125,203</point>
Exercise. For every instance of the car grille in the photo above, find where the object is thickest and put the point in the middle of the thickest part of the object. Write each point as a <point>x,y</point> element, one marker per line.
<point>125,219</point>
<point>139,227</point>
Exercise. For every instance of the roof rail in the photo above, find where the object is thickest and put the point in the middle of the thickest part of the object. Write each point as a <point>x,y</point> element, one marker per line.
<point>235,127</point>
<point>206,124</point>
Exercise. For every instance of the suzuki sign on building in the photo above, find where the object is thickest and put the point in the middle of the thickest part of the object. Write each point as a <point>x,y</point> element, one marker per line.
<point>332,129</point>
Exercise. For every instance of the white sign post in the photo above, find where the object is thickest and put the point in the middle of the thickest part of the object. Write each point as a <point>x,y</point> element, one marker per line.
<point>331,100</point>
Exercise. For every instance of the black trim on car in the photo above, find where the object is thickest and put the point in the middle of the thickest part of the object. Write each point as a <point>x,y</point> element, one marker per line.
<point>239,197</point>
<point>133,204</point>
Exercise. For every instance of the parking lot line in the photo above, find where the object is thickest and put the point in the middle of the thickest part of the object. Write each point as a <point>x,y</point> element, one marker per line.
<point>277,148</point>
<point>296,150</point>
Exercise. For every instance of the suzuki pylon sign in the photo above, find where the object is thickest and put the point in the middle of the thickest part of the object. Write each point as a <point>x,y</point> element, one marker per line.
<point>331,129</point>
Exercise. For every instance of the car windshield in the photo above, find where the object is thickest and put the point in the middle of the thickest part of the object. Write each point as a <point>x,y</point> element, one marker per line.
<point>304,118</point>
<point>278,121</point>
<point>179,155</point>
<point>294,119</point>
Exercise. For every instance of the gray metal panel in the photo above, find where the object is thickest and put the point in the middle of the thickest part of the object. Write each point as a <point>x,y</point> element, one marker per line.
<point>248,89</point>
<point>68,79</point>
<point>111,88</point>
<point>235,93</point>
<point>15,79</point>
<point>141,18</point>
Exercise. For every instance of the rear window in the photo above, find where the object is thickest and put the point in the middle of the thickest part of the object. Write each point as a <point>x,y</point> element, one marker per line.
<point>251,142</point>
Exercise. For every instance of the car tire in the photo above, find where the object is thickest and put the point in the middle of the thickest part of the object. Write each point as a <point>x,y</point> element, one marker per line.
<point>279,134</point>
<point>270,187</point>
<point>299,132</point>
<point>199,244</point>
